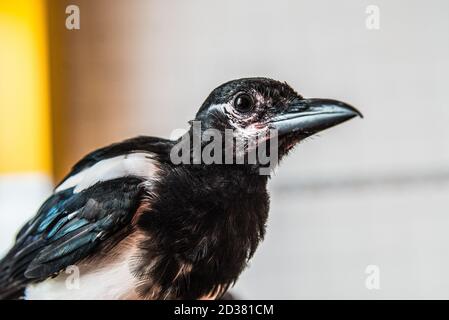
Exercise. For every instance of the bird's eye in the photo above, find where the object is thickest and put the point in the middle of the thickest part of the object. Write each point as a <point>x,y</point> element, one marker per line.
<point>243,102</point>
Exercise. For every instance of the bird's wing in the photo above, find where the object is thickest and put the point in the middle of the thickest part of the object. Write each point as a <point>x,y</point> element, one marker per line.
<point>94,203</point>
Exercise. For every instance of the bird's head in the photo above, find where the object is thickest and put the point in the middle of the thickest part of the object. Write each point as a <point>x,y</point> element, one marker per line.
<point>251,107</point>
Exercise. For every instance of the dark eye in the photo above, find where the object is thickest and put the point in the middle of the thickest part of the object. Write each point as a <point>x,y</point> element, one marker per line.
<point>243,102</point>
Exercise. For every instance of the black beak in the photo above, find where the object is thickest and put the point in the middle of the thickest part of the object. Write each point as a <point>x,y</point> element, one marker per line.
<point>308,116</point>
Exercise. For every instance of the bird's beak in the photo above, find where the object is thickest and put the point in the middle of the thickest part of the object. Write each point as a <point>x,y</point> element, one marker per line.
<point>308,116</point>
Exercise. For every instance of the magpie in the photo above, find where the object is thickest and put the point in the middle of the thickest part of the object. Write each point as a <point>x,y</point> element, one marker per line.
<point>134,224</point>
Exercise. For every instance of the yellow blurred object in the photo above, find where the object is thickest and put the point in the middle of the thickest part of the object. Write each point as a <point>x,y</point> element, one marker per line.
<point>25,141</point>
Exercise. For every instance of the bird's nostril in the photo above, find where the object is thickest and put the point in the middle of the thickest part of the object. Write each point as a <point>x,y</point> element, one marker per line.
<point>297,104</point>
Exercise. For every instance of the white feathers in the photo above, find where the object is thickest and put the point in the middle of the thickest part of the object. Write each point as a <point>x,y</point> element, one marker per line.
<point>133,164</point>
<point>114,281</point>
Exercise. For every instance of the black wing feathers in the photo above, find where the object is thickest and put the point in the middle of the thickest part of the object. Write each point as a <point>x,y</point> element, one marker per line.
<point>69,226</point>
<point>67,229</point>
<point>77,224</point>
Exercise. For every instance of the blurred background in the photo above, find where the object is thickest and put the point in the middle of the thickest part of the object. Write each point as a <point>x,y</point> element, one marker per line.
<point>371,192</point>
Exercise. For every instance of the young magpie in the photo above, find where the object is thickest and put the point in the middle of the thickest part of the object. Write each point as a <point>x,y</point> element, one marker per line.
<point>138,226</point>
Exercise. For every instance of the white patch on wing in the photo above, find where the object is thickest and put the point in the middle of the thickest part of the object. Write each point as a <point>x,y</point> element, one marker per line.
<point>132,164</point>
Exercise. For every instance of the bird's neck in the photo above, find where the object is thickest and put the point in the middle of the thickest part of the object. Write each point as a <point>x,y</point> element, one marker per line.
<point>211,195</point>
<point>208,216</point>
